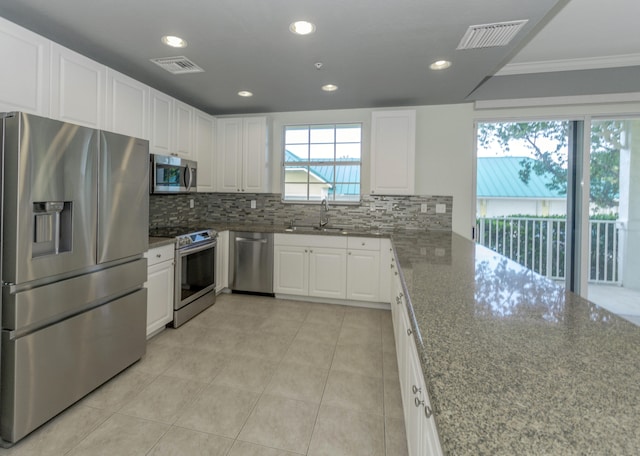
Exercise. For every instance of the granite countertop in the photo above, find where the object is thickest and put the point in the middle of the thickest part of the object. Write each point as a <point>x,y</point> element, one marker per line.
<point>513,363</point>
<point>155,241</point>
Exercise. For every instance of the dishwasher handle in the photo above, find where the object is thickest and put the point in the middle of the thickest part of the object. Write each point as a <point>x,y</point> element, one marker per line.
<point>242,239</point>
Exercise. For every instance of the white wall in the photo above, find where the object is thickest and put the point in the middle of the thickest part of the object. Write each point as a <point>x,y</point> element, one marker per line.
<point>444,151</point>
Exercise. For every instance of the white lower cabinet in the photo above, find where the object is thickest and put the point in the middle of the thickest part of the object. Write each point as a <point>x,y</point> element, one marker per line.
<point>363,269</point>
<point>306,265</point>
<point>160,287</point>
<point>422,435</point>
<point>327,272</point>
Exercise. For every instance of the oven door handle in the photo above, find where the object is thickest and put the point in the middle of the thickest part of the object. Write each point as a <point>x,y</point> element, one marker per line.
<point>200,248</point>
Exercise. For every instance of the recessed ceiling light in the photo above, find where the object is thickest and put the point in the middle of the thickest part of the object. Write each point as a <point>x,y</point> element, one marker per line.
<point>302,28</point>
<point>245,93</point>
<point>440,65</point>
<point>174,41</point>
<point>329,87</point>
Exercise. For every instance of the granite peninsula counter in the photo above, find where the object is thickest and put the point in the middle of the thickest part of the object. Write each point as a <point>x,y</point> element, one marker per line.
<point>514,365</point>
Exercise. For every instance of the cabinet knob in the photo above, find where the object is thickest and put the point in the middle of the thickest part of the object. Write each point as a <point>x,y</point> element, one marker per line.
<point>310,251</point>
<point>349,253</point>
<point>427,411</point>
<point>306,251</point>
<point>418,402</point>
<point>395,272</point>
<point>158,255</point>
<point>409,332</point>
<point>364,243</point>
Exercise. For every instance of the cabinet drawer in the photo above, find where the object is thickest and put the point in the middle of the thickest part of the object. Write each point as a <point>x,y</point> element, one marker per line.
<point>363,243</point>
<point>159,254</point>
<point>311,240</point>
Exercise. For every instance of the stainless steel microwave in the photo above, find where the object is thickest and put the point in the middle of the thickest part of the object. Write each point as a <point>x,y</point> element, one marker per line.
<point>172,175</point>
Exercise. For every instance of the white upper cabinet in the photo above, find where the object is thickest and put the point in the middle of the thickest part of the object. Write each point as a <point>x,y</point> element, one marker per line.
<point>242,155</point>
<point>25,70</point>
<point>254,154</point>
<point>203,145</point>
<point>229,155</point>
<point>77,88</point>
<point>393,150</point>
<point>160,123</point>
<point>183,137</point>
<point>127,105</point>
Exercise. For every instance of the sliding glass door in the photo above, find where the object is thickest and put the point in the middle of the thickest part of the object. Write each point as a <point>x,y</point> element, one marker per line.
<point>613,272</point>
<point>532,205</point>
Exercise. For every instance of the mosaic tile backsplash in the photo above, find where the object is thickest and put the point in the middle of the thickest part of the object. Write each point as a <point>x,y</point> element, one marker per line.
<point>373,213</point>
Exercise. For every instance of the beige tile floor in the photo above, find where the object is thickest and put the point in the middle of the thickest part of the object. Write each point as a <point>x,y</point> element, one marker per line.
<point>251,376</point>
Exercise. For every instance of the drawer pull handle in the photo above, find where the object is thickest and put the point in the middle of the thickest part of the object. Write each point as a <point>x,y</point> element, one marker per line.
<point>418,402</point>
<point>415,389</point>
<point>409,332</point>
<point>427,411</point>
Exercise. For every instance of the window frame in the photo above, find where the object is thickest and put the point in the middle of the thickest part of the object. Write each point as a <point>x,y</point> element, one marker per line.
<point>334,162</point>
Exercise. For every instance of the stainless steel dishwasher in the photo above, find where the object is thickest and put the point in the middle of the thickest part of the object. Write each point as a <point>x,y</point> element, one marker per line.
<point>251,262</point>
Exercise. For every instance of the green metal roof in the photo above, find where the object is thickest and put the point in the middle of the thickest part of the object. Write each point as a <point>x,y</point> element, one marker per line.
<point>498,178</point>
<point>347,177</point>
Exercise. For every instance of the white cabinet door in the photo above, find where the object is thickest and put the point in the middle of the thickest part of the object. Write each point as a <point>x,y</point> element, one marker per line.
<point>393,149</point>
<point>363,275</point>
<point>327,272</point>
<point>229,154</point>
<point>203,145</point>
<point>160,123</point>
<point>77,88</point>
<point>242,155</point>
<point>160,279</point>
<point>254,155</point>
<point>25,70</point>
<point>127,105</point>
<point>222,261</point>
<point>291,270</point>
<point>386,270</point>
<point>183,138</point>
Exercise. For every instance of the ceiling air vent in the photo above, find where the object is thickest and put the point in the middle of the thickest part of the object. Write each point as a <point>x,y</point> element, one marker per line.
<point>177,65</point>
<point>490,35</point>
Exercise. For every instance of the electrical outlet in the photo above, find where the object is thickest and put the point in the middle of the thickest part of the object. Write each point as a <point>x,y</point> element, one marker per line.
<point>191,204</point>
<point>441,208</point>
<point>253,204</point>
<point>423,207</point>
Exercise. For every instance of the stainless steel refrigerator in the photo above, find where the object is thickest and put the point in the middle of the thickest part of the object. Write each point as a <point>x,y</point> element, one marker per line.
<point>74,228</point>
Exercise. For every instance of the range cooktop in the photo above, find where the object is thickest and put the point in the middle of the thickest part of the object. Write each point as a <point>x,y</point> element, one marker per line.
<point>185,235</point>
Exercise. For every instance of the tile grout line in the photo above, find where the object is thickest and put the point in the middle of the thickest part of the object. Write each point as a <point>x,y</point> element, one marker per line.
<point>335,348</point>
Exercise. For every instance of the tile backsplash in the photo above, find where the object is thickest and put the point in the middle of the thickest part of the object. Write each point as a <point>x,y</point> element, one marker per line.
<point>373,212</point>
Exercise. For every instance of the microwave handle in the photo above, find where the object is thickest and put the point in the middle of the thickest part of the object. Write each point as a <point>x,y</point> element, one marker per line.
<point>190,178</point>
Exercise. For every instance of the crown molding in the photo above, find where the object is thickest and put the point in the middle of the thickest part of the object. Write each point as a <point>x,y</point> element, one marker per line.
<point>589,63</point>
<point>633,97</point>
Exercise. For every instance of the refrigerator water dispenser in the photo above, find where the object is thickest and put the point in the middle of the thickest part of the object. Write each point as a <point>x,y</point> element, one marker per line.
<point>52,228</point>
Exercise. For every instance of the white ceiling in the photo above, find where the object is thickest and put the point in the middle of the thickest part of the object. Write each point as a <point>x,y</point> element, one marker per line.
<point>587,30</point>
<point>376,51</point>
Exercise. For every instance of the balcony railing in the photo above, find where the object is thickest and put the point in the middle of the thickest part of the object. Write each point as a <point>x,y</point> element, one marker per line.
<point>539,244</point>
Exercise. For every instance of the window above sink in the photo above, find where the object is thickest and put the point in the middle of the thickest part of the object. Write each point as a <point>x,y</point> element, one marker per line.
<point>322,161</point>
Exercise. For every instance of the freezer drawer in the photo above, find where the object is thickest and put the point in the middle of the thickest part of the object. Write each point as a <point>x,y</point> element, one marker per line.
<point>48,370</point>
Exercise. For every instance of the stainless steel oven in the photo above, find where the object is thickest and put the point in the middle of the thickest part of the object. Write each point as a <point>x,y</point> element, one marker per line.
<point>195,272</point>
